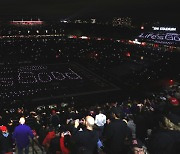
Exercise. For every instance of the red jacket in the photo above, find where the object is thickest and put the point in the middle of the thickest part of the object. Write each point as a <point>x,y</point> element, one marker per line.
<point>48,138</point>
<point>63,148</point>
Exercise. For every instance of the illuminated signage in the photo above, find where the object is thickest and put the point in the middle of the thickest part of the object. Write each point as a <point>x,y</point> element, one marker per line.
<point>166,38</point>
<point>25,76</point>
<point>164,28</point>
<point>30,23</point>
<point>48,81</point>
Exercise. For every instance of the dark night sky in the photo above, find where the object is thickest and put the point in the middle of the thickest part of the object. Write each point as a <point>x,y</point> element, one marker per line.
<point>166,10</point>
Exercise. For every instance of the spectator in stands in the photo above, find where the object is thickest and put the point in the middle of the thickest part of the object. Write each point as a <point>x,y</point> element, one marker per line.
<point>54,147</point>
<point>6,142</point>
<point>100,120</point>
<point>54,119</point>
<point>65,142</point>
<point>138,147</point>
<point>141,123</point>
<point>46,142</point>
<point>43,131</point>
<point>166,139</point>
<point>132,125</point>
<point>116,133</point>
<point>21,135</point>
<point>85,140</point>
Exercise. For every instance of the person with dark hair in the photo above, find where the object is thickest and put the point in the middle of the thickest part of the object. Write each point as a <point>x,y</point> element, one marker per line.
<point>43,131</point>
<point>142,124</point>
<point>54,119</point>
<point>116,133</point>
<point>137,147</point>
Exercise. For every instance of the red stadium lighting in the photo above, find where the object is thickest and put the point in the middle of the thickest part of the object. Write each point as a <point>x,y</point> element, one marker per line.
<point>131,42</point>
<point>128,54</point>
<point>156,45</point>
<point>74,36</point>
<point>143,43</point>
<point>171,82</point>
<point>27,23</point>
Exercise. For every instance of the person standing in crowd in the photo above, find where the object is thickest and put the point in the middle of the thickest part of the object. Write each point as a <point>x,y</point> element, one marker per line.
<point>54,119</point>
<point>132,125</point>
<point>65,142</point>
<point>87,139</point>
<point>6,142</point>
<point>21,135</point>
<point>54,147</point>
<point>100,120</point>
<point>50,135</point>
<point>166,138</point>
<point>116,133</point>
<point>138,147</point>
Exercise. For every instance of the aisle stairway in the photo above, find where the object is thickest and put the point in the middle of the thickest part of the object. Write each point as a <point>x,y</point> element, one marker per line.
<point>34,148</point>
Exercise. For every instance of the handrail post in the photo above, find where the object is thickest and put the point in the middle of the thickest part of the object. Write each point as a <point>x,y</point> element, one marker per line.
<point>32,145</point>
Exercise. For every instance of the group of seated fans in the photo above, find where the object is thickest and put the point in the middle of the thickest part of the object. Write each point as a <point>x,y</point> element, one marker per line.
<point>150,125</point>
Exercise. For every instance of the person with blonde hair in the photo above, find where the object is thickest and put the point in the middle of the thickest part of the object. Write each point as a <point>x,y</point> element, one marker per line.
<point>85,140</point>
<point>166,138</point>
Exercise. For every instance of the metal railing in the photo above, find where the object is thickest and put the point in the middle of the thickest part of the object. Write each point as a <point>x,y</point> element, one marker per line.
<point>36,147</point>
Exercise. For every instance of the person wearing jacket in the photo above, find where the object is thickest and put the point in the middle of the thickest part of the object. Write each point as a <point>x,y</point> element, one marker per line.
<point>21,135</point>
<point>86,139</point>
<point>6,142</point>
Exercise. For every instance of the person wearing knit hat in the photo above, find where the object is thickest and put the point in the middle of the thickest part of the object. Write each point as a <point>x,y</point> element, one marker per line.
<point>6,142</point>
<point>3,128</point>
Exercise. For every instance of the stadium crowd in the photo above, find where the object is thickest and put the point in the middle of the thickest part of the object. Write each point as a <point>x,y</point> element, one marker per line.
<point>134,125</point>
